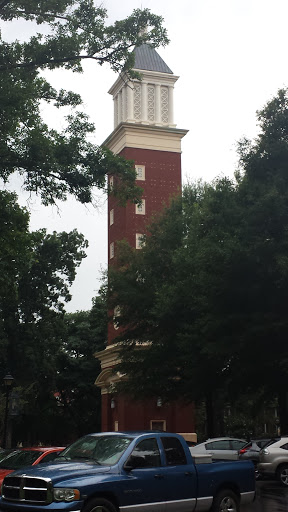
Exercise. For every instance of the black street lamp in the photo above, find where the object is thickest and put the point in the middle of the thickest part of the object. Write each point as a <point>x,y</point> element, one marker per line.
<point>8,381</point>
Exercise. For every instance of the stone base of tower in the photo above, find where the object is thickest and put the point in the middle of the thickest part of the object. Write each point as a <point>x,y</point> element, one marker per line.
<point>121,413</point>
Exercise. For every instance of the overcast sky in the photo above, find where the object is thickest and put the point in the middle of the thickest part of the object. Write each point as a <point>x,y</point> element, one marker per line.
<point>231,57</point>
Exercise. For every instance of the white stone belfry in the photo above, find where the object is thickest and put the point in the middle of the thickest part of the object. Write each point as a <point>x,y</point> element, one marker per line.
<point>148,101</point>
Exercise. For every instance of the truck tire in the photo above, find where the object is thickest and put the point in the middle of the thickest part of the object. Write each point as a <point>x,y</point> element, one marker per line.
<point>226,501</point>
<point>99,505</point>
<point>282,475</point>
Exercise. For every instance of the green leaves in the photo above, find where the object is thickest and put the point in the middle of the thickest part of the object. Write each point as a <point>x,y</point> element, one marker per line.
<point>49,353</point>
<point>208,292</point>
<point>37,270</point>
<point>53,163</point>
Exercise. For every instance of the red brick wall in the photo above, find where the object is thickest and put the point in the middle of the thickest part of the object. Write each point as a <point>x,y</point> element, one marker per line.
<point>162,182</point>
<point>132,415</point>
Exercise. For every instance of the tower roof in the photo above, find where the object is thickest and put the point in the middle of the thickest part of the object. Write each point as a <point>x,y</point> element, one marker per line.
<point>147,58</point>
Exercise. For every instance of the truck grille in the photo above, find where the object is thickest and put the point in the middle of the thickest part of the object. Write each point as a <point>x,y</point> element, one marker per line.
<point>26,489</point>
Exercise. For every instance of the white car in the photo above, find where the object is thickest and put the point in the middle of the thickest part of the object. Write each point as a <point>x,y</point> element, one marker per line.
<point>223,448</point>
<point>273,461</point>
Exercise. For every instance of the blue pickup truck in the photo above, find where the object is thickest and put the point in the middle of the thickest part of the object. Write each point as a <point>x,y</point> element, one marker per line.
<point>129,472</point>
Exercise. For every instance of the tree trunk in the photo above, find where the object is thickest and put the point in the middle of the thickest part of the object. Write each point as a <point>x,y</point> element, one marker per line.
<point>283,411</point>
<point>210,416</point>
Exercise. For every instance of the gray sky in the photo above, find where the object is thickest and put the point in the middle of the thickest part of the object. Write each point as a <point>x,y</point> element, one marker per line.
<point>231,57</point>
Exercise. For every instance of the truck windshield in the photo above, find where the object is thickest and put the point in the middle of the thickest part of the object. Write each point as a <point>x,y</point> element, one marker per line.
<point>104,450</point>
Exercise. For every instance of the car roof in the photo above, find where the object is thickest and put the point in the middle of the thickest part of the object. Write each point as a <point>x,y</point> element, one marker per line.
<point>134,433</point>
<point>40,448</point>
<point>279,441</point>
<point>224,439</point>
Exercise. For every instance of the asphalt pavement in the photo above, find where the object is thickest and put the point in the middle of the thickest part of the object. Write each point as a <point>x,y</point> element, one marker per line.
<point>270,497</point>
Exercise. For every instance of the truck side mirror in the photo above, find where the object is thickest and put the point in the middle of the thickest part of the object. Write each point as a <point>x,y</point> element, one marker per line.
<point>134,461</point>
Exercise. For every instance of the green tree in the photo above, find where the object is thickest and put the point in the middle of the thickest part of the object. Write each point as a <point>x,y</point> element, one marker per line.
<point>207,293</point>
<point>67,32</point>
<point>263,180</point>
<point>167,294</point>
<point>77,368</point>
<point>69,404</point>
<point>37,270</point>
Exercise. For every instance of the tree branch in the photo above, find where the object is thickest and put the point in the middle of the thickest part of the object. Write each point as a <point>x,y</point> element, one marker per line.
<point>3,3</point>
<point>47,61</point>
<point>43,15</point>
<point>60,60</point>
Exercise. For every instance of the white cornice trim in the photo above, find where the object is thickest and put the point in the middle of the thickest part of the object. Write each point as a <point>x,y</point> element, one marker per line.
<point>108,357</point>
<point>142,136</point>
<point>154,77</point>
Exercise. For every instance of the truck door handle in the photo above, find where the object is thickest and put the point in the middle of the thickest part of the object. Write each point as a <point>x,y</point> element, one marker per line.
<point>158,476</point>
<point>188,473</point>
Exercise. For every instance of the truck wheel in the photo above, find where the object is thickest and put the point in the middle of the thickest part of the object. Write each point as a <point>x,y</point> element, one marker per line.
<point>99,505</point>
<point>225,501</point>
<point>282,475</point>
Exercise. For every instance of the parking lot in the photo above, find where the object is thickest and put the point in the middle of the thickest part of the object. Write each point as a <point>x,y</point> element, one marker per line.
<point>270,497</point>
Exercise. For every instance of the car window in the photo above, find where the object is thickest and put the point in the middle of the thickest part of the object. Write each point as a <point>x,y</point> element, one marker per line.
<point>5,453</point>
<point>284,446</point>
<point>236,444</point>
<point>18,459</point>
<point>174,451</point>
<point>145,455</point>
<point>49,456</point>
<point>261,444</point>
<point>264,442</point>
<point>222,444</point>
<point>272,441</point>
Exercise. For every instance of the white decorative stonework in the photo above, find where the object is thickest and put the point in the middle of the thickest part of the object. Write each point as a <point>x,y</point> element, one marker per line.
<point>164,105</point>
<point>121,106</point>
<point>125,92</point>
<point>137,102</point>
<point>148,101</point>
<point>151,103</point>
<point>115,112</point>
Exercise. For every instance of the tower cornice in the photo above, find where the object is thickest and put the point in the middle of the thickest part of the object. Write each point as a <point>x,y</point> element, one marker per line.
<point>146,77</point>
<point>145,137</point>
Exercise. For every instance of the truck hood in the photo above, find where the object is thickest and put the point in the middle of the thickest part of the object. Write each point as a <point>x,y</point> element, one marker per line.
<point>59,471</point>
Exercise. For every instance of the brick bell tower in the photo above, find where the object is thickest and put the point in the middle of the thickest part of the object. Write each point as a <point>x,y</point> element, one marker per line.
<point>144,131</point>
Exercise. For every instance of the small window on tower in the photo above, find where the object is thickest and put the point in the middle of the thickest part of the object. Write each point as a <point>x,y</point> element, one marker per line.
<point>112,250</point>
<point>117,313</point>
<point>111,182</point>
<point>158,425</point>
<point>140,172</point>
<point>140,208</point>
<point>140,241</point>
<point>111,217</point>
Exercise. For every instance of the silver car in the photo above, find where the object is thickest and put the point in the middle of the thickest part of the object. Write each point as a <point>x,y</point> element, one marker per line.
<point>224,448</point>
<point>252,450</point>
<point>273,461</point>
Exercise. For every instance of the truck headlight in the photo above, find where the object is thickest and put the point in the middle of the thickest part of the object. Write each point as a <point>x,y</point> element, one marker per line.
<point>64,494</point>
